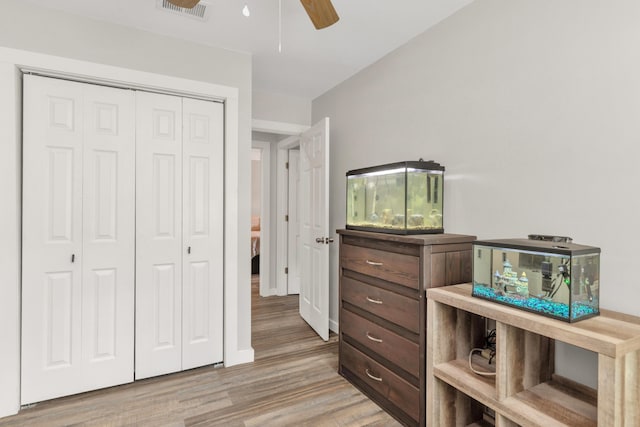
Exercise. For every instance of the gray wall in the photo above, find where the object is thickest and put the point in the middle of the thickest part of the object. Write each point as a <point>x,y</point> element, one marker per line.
<point>281,108</point>
<point>533,107</point>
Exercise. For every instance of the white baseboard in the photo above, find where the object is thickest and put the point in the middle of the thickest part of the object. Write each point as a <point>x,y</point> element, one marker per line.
<point>240,357</point>
<point>333,326</point>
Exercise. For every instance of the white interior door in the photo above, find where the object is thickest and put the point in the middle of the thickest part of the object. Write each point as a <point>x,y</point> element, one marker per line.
<point>293,278</point>
<point>314,227</point>
<point>202,291</point>
<point>158,234</point>
<point>77,263</point>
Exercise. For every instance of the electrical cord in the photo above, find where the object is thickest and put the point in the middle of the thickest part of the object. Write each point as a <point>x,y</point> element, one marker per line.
<point>486,374</point>
<point>490,346</point>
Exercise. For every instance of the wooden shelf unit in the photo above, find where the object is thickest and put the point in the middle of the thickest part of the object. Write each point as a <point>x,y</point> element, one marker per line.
<point>526,391</point>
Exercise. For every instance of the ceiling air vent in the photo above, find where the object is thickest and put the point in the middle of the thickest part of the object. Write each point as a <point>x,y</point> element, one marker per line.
<point>199,12</point>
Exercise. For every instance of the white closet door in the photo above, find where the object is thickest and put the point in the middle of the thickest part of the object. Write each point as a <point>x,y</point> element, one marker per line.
<point>158,234</point>
<point>202,289</point>
<point>74,333</point>
<point>108,260</point>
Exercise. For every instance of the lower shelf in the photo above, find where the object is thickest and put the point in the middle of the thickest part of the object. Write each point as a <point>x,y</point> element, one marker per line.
<point>458,375</point>
<point>554,403</point>
<point>558,402</point>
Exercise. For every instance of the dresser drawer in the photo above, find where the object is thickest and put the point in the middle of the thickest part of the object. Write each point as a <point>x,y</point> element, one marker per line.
<point>391,346</point>
<point>386,383</point>
<point>393,267</point>
<point>395,308</point>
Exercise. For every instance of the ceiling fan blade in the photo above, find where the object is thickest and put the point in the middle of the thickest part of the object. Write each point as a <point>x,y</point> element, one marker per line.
<point>187,4</point>
<point>321,12</point>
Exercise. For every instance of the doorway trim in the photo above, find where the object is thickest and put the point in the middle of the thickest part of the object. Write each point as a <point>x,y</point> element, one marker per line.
<point>281,190</point>
<point>282,225</point>
<point>11,68</point>
<point>265,216</point>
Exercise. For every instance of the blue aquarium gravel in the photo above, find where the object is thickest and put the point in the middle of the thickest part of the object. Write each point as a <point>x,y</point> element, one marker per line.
<point>538,305</point>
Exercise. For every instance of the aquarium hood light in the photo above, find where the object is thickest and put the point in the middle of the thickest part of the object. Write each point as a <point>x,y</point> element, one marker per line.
<point>399,170</point>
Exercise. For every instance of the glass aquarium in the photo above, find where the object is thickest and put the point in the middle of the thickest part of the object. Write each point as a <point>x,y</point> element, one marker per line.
<point>397,198</point>
<point>558,279</point>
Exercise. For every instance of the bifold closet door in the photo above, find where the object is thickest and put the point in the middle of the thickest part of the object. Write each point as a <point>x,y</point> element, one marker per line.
<point>203,202</point>
<point>158,234</point>
<point>179,248</point>
<point>77,238</point>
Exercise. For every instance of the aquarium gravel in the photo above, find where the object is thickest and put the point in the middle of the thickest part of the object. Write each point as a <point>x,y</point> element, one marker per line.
<point>552,308</point>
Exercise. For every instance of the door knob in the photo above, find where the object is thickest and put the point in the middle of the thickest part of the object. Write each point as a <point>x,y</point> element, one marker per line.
<point>325,240</point>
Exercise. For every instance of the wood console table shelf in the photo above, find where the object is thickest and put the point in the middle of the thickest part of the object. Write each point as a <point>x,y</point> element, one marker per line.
<point>525,390</point>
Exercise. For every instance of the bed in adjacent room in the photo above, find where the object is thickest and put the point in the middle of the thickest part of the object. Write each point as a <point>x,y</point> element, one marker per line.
<point>255,245</point>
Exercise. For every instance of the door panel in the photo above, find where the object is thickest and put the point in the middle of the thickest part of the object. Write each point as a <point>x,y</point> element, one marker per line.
<point>77,280</point>
<point>163,197</point>
<point>164,301</point>
<point>60,192</point>
<point>108,261</point>
<point>314,227</point>
<point>58,315</point>
<point>52,233</point>
<point>202,320</point>
<point>158,234</point>
<point>103,306</point>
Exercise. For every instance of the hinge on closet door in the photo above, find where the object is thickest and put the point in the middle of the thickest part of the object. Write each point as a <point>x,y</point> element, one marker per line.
<point>286,165</point>
<point>286,218</point>
<point>286,270</point>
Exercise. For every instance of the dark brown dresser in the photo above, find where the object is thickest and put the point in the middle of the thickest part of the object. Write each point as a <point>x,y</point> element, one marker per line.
<point>383,282</point>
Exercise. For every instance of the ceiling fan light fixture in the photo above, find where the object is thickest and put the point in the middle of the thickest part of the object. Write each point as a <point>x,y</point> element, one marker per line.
<point>245,11</point>
<point>321,12</point>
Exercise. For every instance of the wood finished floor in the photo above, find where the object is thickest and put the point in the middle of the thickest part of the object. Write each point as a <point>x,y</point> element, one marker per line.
<point>293,382</point>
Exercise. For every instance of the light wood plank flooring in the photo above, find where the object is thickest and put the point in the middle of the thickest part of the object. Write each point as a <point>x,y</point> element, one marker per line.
<point>293,382</point>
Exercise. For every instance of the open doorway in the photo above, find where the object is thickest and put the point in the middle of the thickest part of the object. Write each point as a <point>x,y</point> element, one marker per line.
<point>301,234</point>
<point>269,176</point>
<point>261,216</point>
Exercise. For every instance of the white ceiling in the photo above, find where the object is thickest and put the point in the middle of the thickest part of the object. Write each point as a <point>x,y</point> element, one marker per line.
<point>311,62</point>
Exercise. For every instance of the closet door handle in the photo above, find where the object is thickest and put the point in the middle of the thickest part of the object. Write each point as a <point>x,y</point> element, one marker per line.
<point>73,257</point>
<point>189,250</point>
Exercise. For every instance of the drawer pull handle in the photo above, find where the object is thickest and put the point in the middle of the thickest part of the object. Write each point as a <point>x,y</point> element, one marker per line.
<point>377,264</point>
<point>375,301</point>
<point>373,377</point>
<point>374,339</point>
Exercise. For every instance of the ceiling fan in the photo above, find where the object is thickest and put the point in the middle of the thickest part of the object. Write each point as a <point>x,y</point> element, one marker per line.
<point>321,12</point>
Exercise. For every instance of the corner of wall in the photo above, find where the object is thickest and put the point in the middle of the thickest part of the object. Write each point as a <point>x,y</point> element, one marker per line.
<point>10,240</point>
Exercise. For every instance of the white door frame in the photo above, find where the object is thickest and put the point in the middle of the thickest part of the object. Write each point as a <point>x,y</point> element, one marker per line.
<point>282,226</point>
<point>282,190</point>
<point>14,63</point>
<point>293,225</point>
<point>265,216</point>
